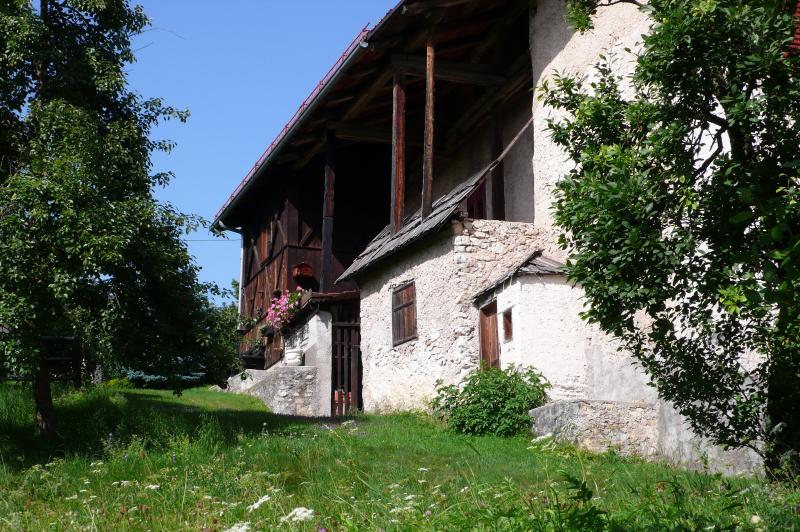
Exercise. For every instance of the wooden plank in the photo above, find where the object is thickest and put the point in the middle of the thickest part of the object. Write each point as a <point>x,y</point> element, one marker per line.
<point>453,71</point>
<point>326,273</point>
<point>398,152</point>
<point>498,174</point>
<point>366,133</point>
<point>427,161</point>
<point>352,112</point>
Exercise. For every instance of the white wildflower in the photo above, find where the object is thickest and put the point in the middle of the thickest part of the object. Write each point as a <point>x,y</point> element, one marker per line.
<point>71,497</point>
<point>394,486</point>
<point>409,497</point>
<point>299,514</point>
<point>207,497</point>
<point>755,519</point>
<point>96,464</point>
<point>464,489</point>
<point>256,505</point>
<point>239,527</point>
<point>423,469</point>
<point>96,472</point>
<point>152,487</point>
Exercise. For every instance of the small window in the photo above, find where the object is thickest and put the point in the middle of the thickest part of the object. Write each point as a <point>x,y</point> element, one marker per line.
<point>508,326</point>
<point>404,314</point>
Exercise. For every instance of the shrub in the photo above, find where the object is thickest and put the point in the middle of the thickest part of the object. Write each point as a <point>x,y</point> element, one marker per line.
<point>491,401</point>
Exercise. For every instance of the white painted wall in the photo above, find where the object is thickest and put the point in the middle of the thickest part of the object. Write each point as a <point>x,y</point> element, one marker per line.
<point>556,48</point>
<point>448,270</point>
<point>578,359</point>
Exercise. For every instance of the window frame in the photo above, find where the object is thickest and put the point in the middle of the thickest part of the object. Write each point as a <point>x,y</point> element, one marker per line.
<point>508,325</point>
<point>401,308</point>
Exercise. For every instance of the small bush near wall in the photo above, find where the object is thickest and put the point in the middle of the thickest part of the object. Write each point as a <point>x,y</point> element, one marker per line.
<point>492,401</point>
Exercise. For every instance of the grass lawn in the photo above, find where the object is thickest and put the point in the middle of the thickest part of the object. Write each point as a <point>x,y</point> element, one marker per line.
<point>149,460</point>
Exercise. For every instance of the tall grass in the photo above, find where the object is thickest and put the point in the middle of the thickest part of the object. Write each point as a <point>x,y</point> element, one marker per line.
<point>147,460</point>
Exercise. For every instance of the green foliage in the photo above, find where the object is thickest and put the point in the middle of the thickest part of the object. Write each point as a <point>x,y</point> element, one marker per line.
<point>153,460</point>
<point>492,401</point>
<point>682,213</point>
<point>85,248</point>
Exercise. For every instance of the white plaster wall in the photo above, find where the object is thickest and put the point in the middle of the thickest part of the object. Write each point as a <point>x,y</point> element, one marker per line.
<point>578,359</point>
<point>448,271</point>
<point>556,48</point>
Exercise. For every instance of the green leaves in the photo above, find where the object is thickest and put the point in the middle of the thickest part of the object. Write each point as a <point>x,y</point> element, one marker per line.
<point>84,246</point>
<point>681,220</point>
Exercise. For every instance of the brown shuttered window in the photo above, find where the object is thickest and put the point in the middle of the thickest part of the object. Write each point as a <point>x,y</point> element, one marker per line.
<point>404,314</point>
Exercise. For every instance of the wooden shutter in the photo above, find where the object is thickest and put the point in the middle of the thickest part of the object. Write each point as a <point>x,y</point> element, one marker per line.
<point>404,314</point>
<point>490,345</point>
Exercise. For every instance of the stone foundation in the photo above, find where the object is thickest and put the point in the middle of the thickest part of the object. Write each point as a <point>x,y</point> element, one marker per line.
<point>648,430</point>
<point>630,428</point>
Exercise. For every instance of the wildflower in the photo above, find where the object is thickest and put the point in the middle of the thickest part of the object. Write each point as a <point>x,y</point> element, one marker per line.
<point>423,469</point>
<point>125,457</point>
<point>256,505</point>
<point>174,457</point>
<point>464,489</point>
<point>239,527</point>
<point>152,487</point>
<point>428,513</point>
<point>754,519</point>
<point>409,497</point>
<point>71,497</point>
<point>299,514</point>
<point>96,464</point>
<point>394,486</point>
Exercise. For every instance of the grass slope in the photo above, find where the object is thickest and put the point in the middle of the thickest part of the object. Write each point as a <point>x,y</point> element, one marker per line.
<point>149,460</point>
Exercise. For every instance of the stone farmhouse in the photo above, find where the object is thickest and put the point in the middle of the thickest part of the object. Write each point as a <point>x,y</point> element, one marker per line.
<point>409,199</point>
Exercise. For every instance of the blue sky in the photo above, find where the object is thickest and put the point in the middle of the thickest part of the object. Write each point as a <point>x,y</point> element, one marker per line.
<point>241,67</point>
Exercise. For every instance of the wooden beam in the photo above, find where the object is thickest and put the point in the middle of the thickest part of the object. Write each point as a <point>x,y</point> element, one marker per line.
<point>498,174</point>
<point>454,71</point>
<point>427,162</point>
<point>352,111</point>
<point>480,109</point>
<point>417,8</point>
<point>326,273</point>
<point>398,152</point>
<point>367,133</point>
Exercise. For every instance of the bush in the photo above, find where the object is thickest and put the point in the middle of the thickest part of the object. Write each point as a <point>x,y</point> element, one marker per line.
<point>492,401</point>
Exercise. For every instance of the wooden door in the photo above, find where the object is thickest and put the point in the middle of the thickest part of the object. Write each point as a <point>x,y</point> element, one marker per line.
<point>346,377</point>
<point>490,343</point>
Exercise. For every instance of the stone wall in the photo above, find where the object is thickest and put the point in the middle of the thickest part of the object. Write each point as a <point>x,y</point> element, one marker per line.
<point>296,390</point>
<point>630,428</point>
<point>638,428</point>
<point>448,270</point>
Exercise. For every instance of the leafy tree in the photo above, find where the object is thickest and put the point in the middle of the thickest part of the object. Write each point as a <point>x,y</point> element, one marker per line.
<point>682,213</point>
<point>84,246</point>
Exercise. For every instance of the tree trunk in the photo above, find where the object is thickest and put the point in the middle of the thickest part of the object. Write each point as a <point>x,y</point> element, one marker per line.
<point>42,396</point>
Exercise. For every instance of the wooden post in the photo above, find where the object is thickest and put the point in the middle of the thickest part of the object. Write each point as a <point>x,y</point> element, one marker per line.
<point>498,174</point>
<point>326,274</point>
<point>427,163</point>
<point>398,152</point>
